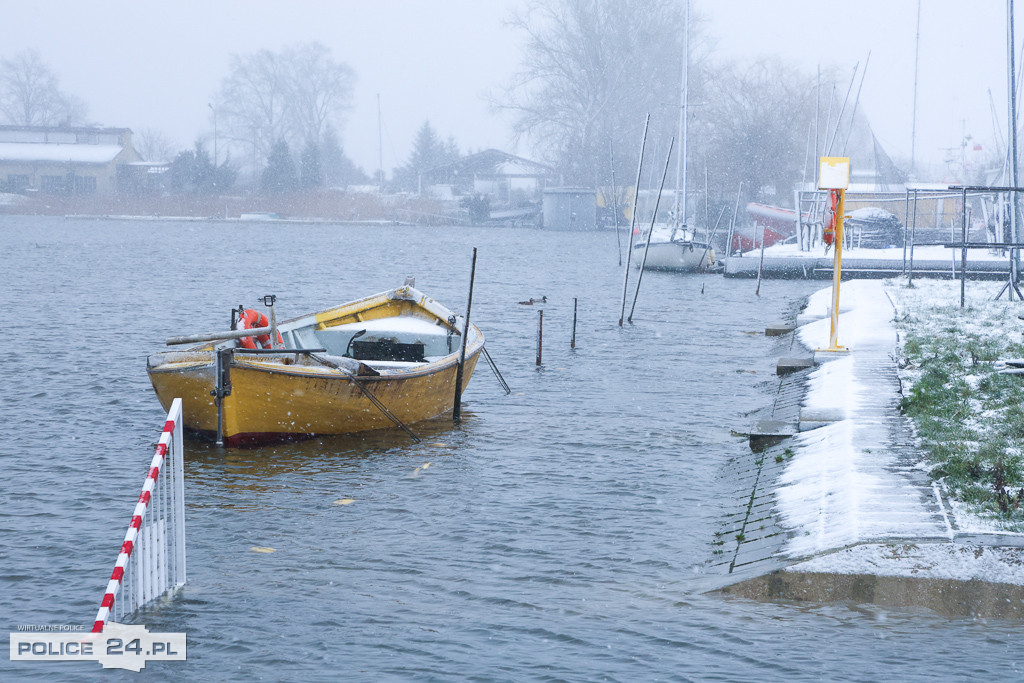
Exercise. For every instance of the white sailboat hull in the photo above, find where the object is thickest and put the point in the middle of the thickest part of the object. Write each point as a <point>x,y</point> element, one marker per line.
<point>675,255</point>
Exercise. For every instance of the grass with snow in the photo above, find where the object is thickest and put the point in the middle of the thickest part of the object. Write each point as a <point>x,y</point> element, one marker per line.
<point>969,417</point>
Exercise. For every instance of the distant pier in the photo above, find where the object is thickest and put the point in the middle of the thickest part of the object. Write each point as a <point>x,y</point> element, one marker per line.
<point>820,268</point>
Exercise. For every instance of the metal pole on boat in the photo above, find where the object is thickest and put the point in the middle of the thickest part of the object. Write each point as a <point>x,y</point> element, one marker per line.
<point>650,233</point>
<point>222,387</point>
<point>269,301</point>
<point>457,408</point>
<point>218,399</point>
<point>632,224</point>
<point>496,371</point>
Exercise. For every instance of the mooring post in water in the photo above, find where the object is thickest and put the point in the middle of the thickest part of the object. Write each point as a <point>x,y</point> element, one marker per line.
<point>650,233</point>
<point>540,336</point>
<point>572,344</point>
<point>615,202</point>
<point>457,408</point>
<point>632,224</point>
<point>760,264</point>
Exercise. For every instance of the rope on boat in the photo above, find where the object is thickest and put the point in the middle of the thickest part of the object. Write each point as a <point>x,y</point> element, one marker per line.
<point>383,408</point>
<point>497,373</point>
<point>369,394</point>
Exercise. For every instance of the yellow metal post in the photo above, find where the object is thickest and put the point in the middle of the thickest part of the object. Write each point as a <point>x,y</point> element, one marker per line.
<point>834,174</point>
<point>837,269</point>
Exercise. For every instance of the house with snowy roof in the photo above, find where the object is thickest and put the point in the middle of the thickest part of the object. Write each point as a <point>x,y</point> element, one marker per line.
<point>65,160</point>
<point>493,173</point>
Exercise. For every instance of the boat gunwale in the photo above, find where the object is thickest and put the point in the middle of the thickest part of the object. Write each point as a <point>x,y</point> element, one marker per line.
<point>418,370</point>
<point>419,301</point>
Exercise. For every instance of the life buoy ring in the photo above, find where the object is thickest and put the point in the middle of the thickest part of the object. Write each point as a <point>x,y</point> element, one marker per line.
<point>828,228</point>
<point>250,319</point>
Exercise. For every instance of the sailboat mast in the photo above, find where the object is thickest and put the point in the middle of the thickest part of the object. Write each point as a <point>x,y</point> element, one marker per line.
<point>380,149</point>
<point>913,122</point>
<point>680,203</point>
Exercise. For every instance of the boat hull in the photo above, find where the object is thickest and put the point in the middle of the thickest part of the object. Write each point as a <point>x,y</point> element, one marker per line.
<point>676,256</point>
<point>271,403</point>
<point>362,366</point>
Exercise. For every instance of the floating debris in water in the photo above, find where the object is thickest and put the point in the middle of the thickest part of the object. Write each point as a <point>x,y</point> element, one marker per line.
<point>260,549</point>
<point>344,501</point>
<point>416,472</point>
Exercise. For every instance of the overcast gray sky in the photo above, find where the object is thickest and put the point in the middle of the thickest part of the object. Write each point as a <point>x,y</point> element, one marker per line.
<point>157,65</point>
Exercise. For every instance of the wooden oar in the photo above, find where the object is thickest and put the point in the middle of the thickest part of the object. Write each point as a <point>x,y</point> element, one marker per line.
<point>219,336</point>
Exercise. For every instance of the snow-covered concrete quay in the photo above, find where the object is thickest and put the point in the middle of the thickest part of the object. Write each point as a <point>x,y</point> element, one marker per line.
<point>787,261</point>
<point>847,510</point>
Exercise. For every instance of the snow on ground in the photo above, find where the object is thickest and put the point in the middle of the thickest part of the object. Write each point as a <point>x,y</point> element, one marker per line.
<point>792,250</point>
<point>990,318</point>
<point>923,561</point>
<point>837,495</point>
<point>836,491</point>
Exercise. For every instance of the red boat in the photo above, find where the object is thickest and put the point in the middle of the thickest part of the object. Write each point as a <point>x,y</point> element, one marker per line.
<point>774,223</point>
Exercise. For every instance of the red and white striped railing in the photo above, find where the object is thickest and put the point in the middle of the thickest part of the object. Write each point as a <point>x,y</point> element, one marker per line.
<point>152,558</point>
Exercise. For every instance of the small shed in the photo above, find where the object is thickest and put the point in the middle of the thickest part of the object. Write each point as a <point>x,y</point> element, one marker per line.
<point>570,208</point>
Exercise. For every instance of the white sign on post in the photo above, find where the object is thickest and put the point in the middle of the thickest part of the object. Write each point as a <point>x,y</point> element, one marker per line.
<point>834,173</point>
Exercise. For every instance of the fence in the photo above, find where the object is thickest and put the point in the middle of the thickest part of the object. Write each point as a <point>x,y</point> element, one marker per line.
<point>934,214</point>
<point>152,558</point>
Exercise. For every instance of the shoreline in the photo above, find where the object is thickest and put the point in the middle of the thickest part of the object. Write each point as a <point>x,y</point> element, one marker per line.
<point>859,519</point>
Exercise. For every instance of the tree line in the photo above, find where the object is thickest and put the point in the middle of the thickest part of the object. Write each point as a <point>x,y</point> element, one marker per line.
<point>591,70</point>
<point>277,116</point>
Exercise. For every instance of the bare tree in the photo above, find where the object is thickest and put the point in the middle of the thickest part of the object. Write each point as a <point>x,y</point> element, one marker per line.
<point>319,90</point>
<point>754,129</point>
<point>289,96</point>
<point>152,145</point>
<point>592,70</point>
<point>30,94</point>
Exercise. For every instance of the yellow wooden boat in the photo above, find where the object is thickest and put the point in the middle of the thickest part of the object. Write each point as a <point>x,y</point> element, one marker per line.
<point>382,361</point>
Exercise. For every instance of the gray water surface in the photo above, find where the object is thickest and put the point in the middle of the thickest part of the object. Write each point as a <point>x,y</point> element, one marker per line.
<point>559,533</point>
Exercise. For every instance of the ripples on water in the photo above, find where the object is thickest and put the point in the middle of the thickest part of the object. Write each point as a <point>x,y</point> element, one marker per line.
<point>558,534</point>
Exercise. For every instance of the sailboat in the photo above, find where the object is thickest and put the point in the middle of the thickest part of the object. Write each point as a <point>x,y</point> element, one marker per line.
<point>675,246</point>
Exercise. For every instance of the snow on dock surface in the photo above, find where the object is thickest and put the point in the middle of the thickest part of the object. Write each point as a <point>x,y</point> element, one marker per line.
<point>855,497</point>
<point>856,480</point>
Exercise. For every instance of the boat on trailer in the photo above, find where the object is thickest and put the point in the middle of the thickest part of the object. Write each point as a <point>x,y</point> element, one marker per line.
<point>385,360</point>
